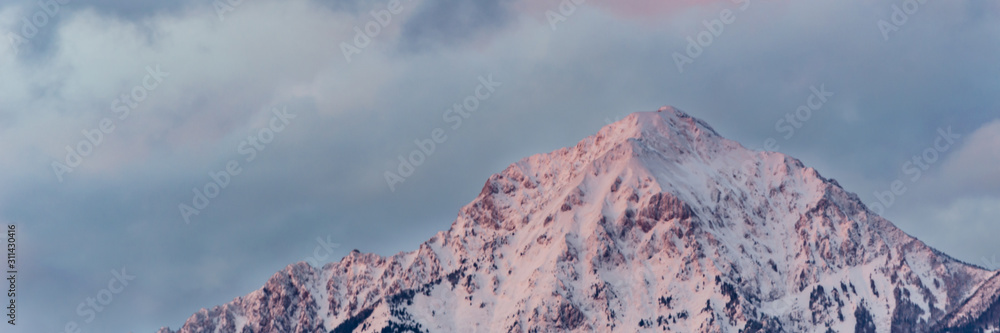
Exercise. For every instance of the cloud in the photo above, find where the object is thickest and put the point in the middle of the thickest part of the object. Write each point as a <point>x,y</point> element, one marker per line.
<point>972,170</point>
<point>648,9</point>
<point>449,22</point>
<point>952,205</point>
<point>642,10</point>
<point>323,175</point>
<point>134,10</point>
<point>211,88</point>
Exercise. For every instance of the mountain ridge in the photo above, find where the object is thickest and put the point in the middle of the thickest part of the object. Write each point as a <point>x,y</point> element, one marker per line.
<point>585,237</point>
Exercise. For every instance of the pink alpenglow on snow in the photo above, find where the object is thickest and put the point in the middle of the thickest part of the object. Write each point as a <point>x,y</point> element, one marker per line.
<point>656,223</point>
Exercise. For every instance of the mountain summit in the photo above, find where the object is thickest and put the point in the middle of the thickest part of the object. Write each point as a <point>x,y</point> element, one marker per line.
<point>656,223</point>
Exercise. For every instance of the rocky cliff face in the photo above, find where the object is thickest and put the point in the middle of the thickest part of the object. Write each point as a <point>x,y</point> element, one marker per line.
<point>656,223</point>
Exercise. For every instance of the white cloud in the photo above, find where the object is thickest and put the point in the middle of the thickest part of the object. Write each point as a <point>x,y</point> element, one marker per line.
<point>956,207</point>
<point>220,74</point>
<point>975,167</point>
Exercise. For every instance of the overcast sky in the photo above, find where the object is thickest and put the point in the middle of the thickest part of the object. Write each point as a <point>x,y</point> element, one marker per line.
<point>179,86</point>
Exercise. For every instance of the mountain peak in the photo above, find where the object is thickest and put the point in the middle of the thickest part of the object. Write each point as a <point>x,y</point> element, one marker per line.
<point>667,122</point>
<point>668,136</point>
<point>654,223</point>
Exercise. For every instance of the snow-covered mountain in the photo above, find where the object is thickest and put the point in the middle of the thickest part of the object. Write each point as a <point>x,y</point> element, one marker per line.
<point>656,223</point>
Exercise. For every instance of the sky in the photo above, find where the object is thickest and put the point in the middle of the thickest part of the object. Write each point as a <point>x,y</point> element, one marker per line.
<point>161,157</point>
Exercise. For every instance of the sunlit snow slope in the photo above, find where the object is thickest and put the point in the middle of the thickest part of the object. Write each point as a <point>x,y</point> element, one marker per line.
<point>656,223</point>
